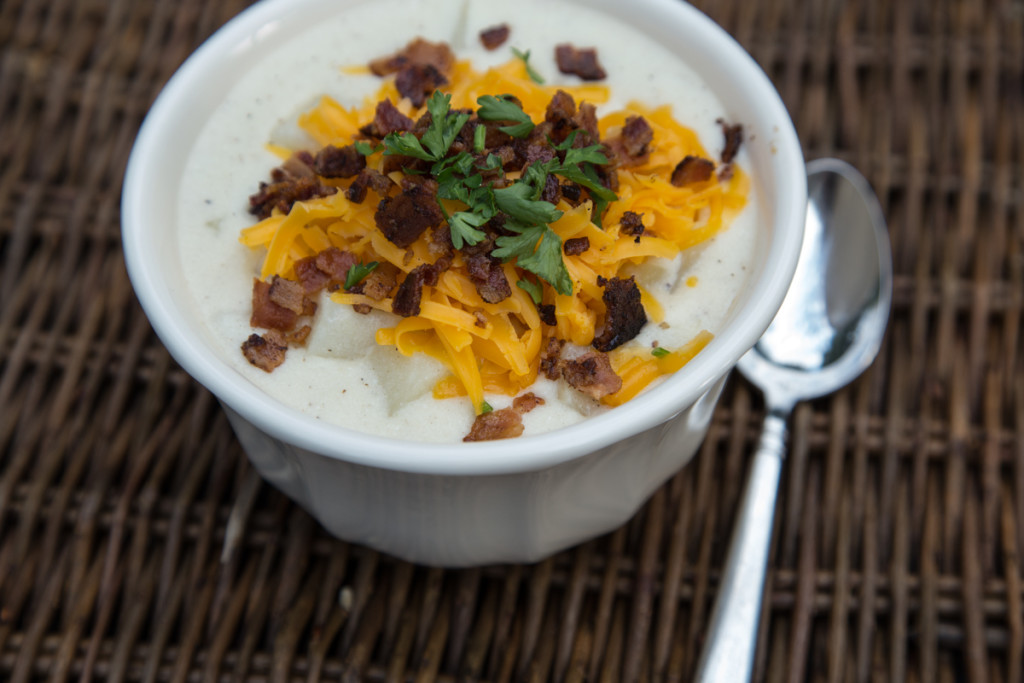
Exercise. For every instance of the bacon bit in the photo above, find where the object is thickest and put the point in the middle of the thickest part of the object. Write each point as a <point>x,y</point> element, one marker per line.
<point>386,119</point>
<point>298,165</point>
<point>488,277</point>
<point>266,313</point>
<point>632,224</point>
<point>335,263</point>
<point>550,359</point>
<point>362,309</point>
<point>636,135</point>
<point>379,283</point>
<point>526,402</point>
<point>282,195</point>
<point>692,170</point>
<point>416,81</point>
<point>592,374</point>
<point>494,37</point>
<point>733,140</point>
<point>552,191</point>
<point>339,162</point>
<point>287,294</point>
<point>625,315</point>
<point>582,62</point>
<point>407,299</point>
<point>299,336</point>
<point>561,114</point>
<point>440,243</point>
<point>404,217</point>
<point>497,424</point>
<point>368,178</point>
<point>309,276</point>
<point>417,52</point>
<point>572,192</point>
<point>547,314</point>
<point>586,120</point>
<point>576,246</point>
<point>630,147</point>
<point>266,352</point>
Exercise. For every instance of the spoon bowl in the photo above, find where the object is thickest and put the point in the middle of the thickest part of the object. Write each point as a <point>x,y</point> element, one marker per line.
<point>831,322</point>
<point>827,332</point>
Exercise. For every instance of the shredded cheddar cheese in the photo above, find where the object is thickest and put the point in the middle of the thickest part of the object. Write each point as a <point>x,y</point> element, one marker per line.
<point>497,347</point>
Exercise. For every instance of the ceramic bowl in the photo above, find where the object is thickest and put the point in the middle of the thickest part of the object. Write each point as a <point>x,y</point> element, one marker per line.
<point>516,500</point>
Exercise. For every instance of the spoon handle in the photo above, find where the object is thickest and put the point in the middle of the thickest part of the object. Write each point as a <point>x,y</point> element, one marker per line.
<point>728,655</point>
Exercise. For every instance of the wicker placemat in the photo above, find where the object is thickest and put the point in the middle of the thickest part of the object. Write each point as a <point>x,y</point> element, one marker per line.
<point>136,544</point>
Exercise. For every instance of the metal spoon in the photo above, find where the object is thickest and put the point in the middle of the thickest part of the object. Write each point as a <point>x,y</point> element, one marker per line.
<point>827,332</point>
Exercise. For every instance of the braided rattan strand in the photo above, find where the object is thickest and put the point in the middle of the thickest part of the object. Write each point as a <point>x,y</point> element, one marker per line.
<point>136,544</point>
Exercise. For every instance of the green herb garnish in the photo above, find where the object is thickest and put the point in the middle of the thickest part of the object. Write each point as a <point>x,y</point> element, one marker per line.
<point>530,71</point>
<point>503,108</point>
<point>365,148</point>
<point>485,408</point>
<point>438,138</point>
<point>659,352</point>
<point>537,249</point>
<point>535,291</point>
<point>358,272</point>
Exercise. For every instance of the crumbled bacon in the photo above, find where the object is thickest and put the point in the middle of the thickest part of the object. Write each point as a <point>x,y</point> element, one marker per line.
<point>625,314</point>
<point>494,37</point>
<point>733,140</point>
<point>692,170</point>
<point>416,81</point>
<point>309,276</point>
<point>288,294</point>
<point>265,352</point>
<point>386,119</point>
<point>298,165</point>
<point>547,314</point>
<point>379,283</point>
<point>336,263</point>
<point>560,113</point>
<point>550,358</point>
<point>282,195</point>
<point>404,217</point>
<point>417,52</point>
<point>562,117</point>
<point>488,277</point>
<point>552,191</point>
<point>368,179</point>
<point>592,374</point>
<point>339,162</point>
<point>582,62</point>
<point>586,120</point>
<point>631,146</point>
<point>410,292</point>
<point>506,423</point>
<point>632,224</point>
<point>524,403</point>
<point>266,313</point>
<point>572,192</point>
<point>298,337</point>
<point>576,245</point>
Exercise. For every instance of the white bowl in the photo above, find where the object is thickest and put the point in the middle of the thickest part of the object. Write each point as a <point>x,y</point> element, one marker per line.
<point>465,504</point>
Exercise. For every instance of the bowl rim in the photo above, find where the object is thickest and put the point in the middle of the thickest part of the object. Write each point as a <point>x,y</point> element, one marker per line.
<point>262,22</point>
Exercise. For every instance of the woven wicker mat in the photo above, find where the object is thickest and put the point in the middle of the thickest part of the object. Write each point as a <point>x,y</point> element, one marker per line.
<point>137,545</point>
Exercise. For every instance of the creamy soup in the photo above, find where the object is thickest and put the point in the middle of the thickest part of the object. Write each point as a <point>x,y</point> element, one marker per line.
<point>343,376</point>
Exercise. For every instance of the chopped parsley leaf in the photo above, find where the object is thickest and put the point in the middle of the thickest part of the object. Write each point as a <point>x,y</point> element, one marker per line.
<point>358,272</point>
<point>659,352</point>
<point>535,291</point>
<point>530,71</point>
